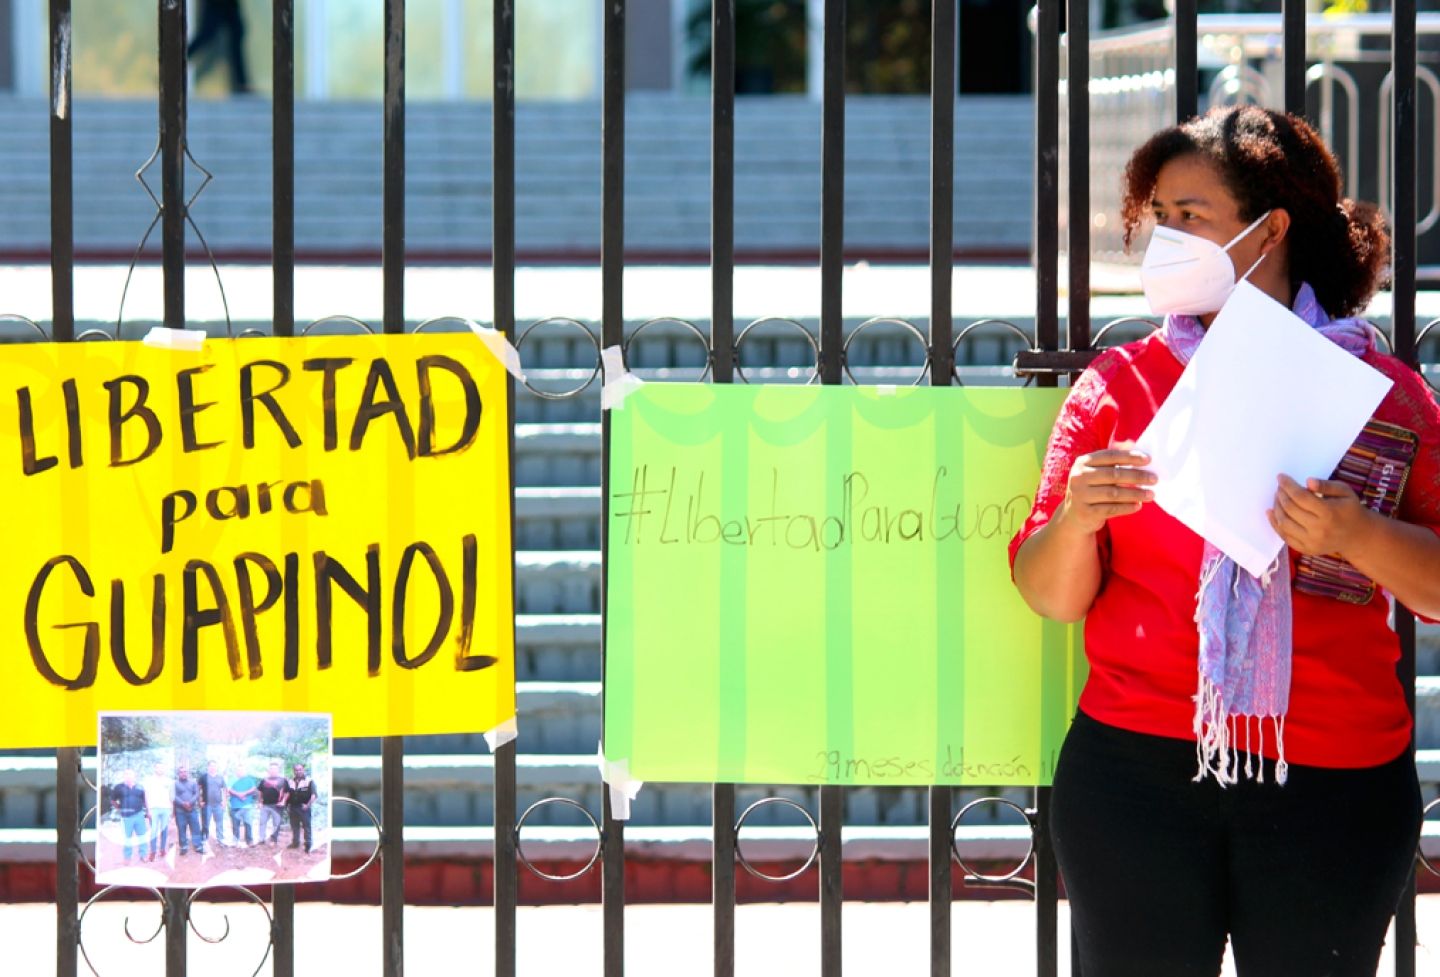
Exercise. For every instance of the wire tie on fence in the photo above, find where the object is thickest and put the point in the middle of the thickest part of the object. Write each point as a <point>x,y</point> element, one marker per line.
<point>499,347</point>
<point>502,734</point>
<point>619,381</point>
<point>163,337</point>
<point>623,790</point>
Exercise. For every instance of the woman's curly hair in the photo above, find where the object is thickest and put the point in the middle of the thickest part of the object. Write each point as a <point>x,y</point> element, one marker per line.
<point>1272,160</point>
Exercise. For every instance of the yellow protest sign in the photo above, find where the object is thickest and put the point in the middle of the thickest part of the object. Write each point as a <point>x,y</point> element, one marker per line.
<point>316,524</point>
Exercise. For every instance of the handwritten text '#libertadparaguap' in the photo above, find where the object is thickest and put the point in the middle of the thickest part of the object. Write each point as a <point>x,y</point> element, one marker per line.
<point>672,506</point>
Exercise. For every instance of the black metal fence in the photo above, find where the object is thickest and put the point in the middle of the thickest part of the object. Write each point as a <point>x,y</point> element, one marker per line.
<point>1050,357</point>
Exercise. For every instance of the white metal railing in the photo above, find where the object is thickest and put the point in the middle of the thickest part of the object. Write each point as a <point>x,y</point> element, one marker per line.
<point>1132,94</point>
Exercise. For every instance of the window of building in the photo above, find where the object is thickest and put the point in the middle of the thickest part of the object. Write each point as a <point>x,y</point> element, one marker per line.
<point>338,49</point>
<point>770,47</point>
<point>887,46</point>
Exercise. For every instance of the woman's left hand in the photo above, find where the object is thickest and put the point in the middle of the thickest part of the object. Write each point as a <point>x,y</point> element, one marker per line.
<point>1318,518</point>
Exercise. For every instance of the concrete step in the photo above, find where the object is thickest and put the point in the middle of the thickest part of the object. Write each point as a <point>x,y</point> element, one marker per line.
<point>557,518</point>
<point>1427,711</point>
<point>557,647</point>
<point>558,582</point>
<point>1427,649</point>
<point>557,455</point>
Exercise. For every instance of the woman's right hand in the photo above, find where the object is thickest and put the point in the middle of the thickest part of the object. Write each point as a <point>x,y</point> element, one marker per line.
<point>1105,484</point>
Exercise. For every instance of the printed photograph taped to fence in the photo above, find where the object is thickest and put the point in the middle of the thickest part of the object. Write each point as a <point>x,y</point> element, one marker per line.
<point>190,799</point>
<point>318,523</point>
<point>811,585</point>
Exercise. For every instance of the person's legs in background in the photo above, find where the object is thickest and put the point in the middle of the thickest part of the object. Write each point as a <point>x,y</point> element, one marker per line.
<point>134,827</point>
<point>240,821</point>
<point>187,824</point>
<point>159,832</point>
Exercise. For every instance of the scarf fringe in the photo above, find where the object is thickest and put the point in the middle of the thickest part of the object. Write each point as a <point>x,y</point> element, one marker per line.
<point>1217,752</point>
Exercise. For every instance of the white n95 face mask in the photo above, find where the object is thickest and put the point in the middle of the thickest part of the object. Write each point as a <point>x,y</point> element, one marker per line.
<point>1183,274</point>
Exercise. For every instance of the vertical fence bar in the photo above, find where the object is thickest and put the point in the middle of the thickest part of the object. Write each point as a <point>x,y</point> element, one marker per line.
<point>722,803</point>
<point>282,264</point>
<point>942,210</point>
<point>282,929</point>
<point>1403,65</point>
<point>722,352</point>
<point>62,329</point>
<point>282,165</point>
<point>832,193</point>
<point>1047,175</point>
<point>506,866</point>
<point>62,197</point>
<point>1187,71</point>
<point>392,855</point>
<point>175,924</point>
<point>832,351</point>
<point>172,160</point>
<point>722,189</point>
<point>941,876</point>
<point>1403,61</point>
<point>1077,63</point>
<point>1047,337</point>
<point>67,862</point>
<point>832,892</point>
<point>392,253</point>
<point>612,329</point>
<point>172,247</point>
<point>942,366</point>
<point>392,259</point>
<point>1293,18</point>
<point>1047,891</point>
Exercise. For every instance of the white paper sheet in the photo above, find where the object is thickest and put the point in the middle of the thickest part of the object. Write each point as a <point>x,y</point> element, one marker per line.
<point>1264,395</point>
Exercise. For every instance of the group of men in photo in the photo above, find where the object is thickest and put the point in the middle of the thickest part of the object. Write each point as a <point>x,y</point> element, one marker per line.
<point>198,807</point>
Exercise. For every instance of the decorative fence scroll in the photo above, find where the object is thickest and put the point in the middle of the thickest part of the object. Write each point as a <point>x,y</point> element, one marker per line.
<point>267,524</point>
<point>810,585</point>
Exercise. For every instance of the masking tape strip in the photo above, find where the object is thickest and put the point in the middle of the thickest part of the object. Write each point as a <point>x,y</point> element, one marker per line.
<point>502,734</point>
<point>163,337</point>
<point>499,347</point>
<point>619,382</point>
<point>623,790</point>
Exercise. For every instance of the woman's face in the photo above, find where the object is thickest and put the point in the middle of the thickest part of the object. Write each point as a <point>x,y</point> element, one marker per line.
<point>1191,197</point>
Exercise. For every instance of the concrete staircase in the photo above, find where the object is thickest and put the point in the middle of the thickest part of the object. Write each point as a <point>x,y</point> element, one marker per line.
<point>448,185</point>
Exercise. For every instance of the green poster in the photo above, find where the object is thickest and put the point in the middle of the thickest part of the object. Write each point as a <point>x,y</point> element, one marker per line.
<point>810,585</point>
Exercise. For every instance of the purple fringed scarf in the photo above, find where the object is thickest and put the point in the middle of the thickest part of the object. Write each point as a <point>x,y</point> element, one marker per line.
<point>1244,621</point>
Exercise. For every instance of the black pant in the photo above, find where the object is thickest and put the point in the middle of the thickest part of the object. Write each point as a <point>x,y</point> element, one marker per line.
<point>222,17</point>
<point>1159,869</point>
<point>300,821</point>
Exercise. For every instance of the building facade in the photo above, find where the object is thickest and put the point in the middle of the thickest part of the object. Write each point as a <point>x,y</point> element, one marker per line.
<point>558,45</point>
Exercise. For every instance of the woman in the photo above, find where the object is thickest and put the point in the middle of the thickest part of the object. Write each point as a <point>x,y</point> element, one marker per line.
<point>1168,822</point>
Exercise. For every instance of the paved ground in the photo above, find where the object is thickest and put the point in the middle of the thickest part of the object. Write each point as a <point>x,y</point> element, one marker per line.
<point>869,290</point>
<point>994,939</point>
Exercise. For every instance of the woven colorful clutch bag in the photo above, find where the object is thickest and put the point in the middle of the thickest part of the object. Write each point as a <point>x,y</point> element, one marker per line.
<point>1376,467</point>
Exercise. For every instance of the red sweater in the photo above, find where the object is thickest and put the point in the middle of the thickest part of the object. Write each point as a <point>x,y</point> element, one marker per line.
<point>1347,707</point>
